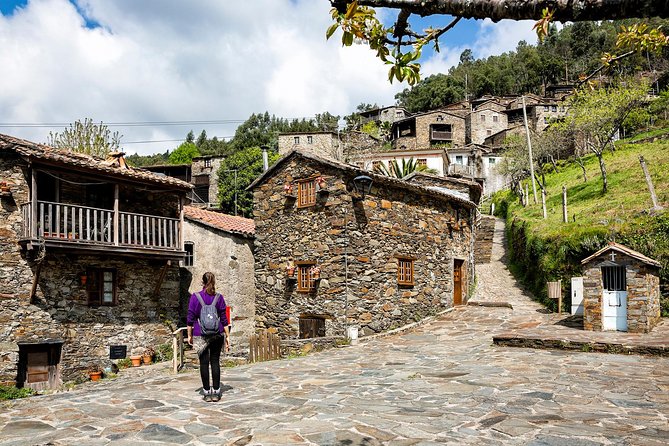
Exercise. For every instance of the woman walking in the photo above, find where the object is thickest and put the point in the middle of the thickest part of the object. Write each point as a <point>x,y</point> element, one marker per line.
<point>207,333</point>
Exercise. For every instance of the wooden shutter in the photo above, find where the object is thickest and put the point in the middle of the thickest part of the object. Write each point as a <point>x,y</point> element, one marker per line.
<point>405,271</point>
<point>306,193</point>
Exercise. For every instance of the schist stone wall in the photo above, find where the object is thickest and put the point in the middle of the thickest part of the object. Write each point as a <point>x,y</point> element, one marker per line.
<point>643,294</point>
<point>356,243</point>
<point>60,311</point>
<point>230,258</point>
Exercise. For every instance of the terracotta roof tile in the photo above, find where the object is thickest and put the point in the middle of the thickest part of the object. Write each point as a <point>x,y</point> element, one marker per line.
<point>80,160</point>
<point>224,222</point>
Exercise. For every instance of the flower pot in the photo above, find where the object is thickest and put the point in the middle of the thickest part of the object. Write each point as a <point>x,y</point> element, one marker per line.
<point>290,272</point>
<point>147,359</point>
<point>136,361</point>
<point>95,376</point>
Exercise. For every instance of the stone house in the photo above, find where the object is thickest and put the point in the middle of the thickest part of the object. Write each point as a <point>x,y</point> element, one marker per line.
<point>621,290</point>
<point>330,256</point>
<point>380,115</point>
<point>484,120</point>
<point>222,244</point>
<point>204,171</point>
<point>320,143</point>
<point>437,128</point>
<point>90,251</point>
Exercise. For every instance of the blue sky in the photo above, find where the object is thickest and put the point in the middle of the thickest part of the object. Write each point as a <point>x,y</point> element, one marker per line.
<point>201,64</point>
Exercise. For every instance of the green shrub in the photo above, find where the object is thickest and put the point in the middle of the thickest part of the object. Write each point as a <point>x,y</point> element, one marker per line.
<point>164,352</point>
<point>12,393</point>
<point>124,363</point>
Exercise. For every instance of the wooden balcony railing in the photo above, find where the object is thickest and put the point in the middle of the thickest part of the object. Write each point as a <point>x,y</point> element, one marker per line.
<point>442,136</point>
<point>461,169</point>
<point>83,224</point>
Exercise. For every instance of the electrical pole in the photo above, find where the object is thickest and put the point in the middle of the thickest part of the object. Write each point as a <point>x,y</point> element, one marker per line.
<point>529,149</point>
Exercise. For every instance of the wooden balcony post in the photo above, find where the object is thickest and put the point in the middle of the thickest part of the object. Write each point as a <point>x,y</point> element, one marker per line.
<point>33,204</point>
<point>116,215</point>
<point>181,223</point>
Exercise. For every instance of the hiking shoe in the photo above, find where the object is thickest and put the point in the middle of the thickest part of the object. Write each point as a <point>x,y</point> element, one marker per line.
<point>208,395</point>
<point>216,395</point>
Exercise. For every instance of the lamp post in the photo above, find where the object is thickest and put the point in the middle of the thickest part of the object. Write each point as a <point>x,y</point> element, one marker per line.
<point>362,185</point>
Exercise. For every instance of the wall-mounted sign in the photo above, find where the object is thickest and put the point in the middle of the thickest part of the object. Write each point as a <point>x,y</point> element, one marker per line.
<point>117,351</point>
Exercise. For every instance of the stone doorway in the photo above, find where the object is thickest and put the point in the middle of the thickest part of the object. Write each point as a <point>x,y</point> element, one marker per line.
<point>39,365</point>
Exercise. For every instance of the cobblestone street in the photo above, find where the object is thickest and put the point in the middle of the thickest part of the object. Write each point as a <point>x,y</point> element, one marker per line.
<point>442,383</point>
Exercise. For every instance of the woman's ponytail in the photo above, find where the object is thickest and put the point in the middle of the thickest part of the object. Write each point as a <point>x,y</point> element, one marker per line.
<point>209,281</point>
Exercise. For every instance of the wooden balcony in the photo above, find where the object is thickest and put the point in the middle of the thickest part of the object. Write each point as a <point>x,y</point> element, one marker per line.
<point>441,136</point>
<point>86,228</point>
<point>459,169</point>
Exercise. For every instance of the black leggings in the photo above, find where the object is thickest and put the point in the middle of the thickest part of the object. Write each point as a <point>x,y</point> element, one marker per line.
<point>211,356</point>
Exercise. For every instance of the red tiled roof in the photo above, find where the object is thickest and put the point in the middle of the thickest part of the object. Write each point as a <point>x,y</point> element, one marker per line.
<point>79,160</point>
<point>224,222</point>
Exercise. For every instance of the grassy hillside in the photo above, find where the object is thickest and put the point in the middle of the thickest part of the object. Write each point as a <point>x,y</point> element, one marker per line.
<point>550,249</point>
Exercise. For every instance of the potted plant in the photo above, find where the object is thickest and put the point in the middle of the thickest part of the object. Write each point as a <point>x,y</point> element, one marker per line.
<point>136,360</point>
<point>95,373</point>
<point>288,189</point>
<point>290,270</point>
<point>315,272</point>
<point>4,187</point>
<point>320,181</point>
<point>147,357</point>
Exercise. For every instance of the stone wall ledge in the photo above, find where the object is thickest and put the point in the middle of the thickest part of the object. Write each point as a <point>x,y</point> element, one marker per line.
<point>493,304</point>
<point>529,341</point>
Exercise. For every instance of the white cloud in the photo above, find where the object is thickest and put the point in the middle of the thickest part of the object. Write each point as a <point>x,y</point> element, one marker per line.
<point>171,61</point>
<point>497,38</point>
<point>153,60</point>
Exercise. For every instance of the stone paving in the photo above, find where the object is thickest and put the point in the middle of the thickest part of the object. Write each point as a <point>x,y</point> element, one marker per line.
<point>442,383</point>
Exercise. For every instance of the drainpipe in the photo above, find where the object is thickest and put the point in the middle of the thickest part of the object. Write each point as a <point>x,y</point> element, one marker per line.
<point>265,160</point>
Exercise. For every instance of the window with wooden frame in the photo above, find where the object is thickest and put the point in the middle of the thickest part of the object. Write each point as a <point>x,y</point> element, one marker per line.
<point>189,247</point>
<point>101,286</point>
<point>305,280</point>
<point>421,162</point>
<point>306,193</point>
<point>405,271</point>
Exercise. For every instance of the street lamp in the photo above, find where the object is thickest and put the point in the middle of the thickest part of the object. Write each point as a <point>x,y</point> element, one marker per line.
<point>363,185</point>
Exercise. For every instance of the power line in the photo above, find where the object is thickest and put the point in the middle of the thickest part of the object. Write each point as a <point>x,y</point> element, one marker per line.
<point>134,123</point>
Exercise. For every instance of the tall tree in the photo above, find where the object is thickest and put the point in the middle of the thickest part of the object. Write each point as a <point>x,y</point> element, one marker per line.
<point>596,116</point>
<point>86,137</point>
<point>184,154</point>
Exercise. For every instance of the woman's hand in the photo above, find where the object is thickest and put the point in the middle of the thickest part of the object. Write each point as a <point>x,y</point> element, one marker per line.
<point>227,344</point>
<point>190,340</point>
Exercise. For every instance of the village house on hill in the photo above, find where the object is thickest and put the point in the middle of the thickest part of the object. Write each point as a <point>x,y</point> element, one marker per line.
<point>331,254</point>
<point>222,244</point>
<point>90,259</point>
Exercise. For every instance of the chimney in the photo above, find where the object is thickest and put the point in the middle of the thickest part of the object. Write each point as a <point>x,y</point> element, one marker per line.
<point>265,160</point>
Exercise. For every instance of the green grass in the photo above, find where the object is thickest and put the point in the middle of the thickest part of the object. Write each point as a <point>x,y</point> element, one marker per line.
<point>649,134</point>
<point>623,205</point>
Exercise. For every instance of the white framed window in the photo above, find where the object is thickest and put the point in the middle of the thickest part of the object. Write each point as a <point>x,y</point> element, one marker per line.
<point>296,139</point>
<point>495,118</point>
<point>458,159</point>
<point>310,139</point>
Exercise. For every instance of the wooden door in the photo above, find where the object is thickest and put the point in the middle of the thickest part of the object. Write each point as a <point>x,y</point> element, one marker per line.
<point>457,281</point>
<point>312,327</point>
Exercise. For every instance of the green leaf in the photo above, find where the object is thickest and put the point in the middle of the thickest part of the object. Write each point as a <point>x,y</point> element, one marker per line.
<point>331,30</point>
